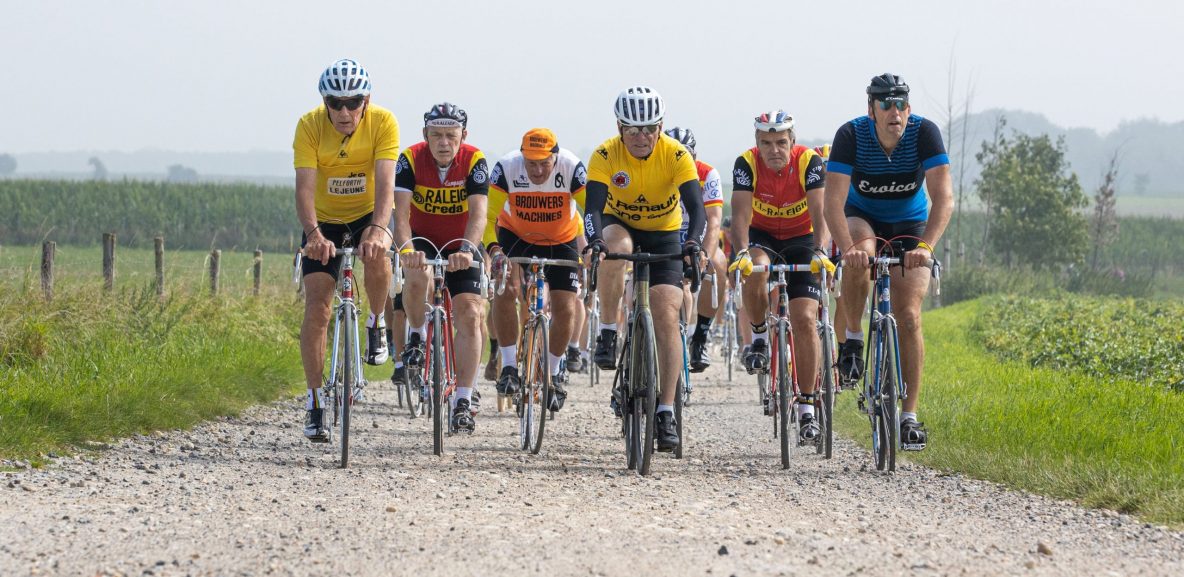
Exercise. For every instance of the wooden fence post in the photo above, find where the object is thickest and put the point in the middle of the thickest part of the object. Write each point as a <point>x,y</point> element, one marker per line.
<point>108,261</point>
<point>48,248</point>
<point>258,270</point>
<point>159,249</point>
<point>215,270</point>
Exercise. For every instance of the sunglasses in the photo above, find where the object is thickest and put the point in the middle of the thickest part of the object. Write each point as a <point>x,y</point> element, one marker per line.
<point>635,130</point>
<point>350,104</point>
<point>899,104</point>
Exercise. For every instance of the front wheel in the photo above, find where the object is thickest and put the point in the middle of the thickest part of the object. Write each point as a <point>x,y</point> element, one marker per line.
<point>436,362</point>
<point>645,373</point>
<point>826,401</point>
<point>788,430</point>
<point>541,389</point>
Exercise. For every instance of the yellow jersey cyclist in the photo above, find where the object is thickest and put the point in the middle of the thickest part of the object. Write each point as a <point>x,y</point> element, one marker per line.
<point>876,187</point>
<point>440,195</point>
<point>344,153</point>
<point>635,182</point>
<point>535,197</point>
<point>713,204</point>
<point>777,209</point>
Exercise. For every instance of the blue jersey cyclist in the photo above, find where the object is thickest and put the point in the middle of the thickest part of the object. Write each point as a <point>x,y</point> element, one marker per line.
<point>875,187</point>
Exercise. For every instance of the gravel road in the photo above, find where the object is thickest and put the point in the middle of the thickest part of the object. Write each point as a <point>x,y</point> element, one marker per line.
<point>248,496</point>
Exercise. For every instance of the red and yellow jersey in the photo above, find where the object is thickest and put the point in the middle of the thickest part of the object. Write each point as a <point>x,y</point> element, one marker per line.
<point>543,214</point>
<point>779,197</point>
<point>643,192</point>
<point>345,164</point>
<point>440,196</point>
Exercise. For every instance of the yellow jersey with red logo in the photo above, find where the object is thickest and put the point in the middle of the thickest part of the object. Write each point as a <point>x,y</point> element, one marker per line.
<point>345,164</point>
<point>779,196</point>
<point>440,196</point>
<point>544,214</point>
<point>643,192</point>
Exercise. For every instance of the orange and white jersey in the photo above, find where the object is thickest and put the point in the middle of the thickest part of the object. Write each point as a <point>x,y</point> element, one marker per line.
<point>543,214</point>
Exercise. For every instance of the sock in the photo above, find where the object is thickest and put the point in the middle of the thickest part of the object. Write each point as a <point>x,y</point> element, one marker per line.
<point>553,362</point>
<point>905,416</point>
<point>422,331</point>
<point>465,393</point>
<point>398,365</point>
<point>665,409</point>
<point>702,328</point>
<point>509,356</point>
<point>608,327</point>
<point>584,354</point>
<point>759,332</point>
<point>854,335</point>
<point>805,409</point>
<point>315,400</point>
<point>574,345</point>
<point>381,321</point>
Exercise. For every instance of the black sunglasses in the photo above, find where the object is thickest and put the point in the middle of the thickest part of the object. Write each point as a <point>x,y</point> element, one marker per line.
<point>347,103</point>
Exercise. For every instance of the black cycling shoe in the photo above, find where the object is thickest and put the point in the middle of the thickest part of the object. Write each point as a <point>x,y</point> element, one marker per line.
<point>700,360</point>
<point>413,351</point>
<point>559,390</point>
<point>912,435</point>
<point>462,417</point>
<point>615,400</point>
<point>666,432</point>
<point>399,376</point>
<point>850,362</point>
<point>605,356</point>
<point>757,359</point>
<point>377,351</point>
<point>314,426</point>
<point>808,429</point>
<point>509,382</point>
<point>575,363</point>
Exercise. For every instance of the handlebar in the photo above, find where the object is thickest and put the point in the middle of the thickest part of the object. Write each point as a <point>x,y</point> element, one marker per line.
<point>933,264</point>
<point>644,257</point>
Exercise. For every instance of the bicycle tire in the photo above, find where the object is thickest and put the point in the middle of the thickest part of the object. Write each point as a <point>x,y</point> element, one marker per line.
<point>543,384</point>
<point>729,344</point>
<point>678,405</point>
<point>347,392</point>
<point>826,400</point>
<point>881,440</point>
<point>892,394</point>
<point>439,415</point>
<point>414,390</point>
<point>784,394</point>
<point>646,359</point>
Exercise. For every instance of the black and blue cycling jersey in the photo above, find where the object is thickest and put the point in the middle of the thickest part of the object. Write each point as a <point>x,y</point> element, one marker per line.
<point>888,188</point>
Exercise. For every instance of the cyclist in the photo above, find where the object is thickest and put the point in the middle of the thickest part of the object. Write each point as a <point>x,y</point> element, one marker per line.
<point>533,200</point>
<point>344,153</point>
<point>440,188</point>
<point>713,204</point>
<point>635,182</point>
<point>876,188</point>
<point>777,214</point>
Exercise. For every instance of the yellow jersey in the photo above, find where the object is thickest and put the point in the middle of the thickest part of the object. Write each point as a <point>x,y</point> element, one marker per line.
<point>643,193</point>
<point>345,164</point>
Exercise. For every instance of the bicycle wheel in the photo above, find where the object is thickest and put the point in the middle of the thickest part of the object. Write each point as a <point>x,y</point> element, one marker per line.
<point>678,405</point>
<point>646,375</point>
<point>346,395</point>
<point>784,394</point>
<point>414,392</point>
<point>729,344</point>
<point>542,386</point>
<point>826,400</point>
<point>439,414</point>
<point>891,394</point>
<point>879,370</point>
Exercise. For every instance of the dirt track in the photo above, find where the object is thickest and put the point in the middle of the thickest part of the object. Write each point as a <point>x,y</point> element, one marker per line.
<point>248,496</point>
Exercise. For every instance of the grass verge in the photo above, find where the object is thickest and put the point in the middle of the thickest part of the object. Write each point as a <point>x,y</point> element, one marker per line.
<point>1065,434</point>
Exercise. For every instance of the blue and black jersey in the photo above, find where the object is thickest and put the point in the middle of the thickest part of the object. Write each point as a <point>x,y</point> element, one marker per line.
<point>888,188</point>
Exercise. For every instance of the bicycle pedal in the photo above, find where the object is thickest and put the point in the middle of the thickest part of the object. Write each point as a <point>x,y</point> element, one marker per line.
<point>912,446</point>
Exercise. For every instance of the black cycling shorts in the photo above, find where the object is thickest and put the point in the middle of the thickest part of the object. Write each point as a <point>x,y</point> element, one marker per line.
<point>559,278</point>
<point>459,282</point>
<point>334,233</point>
<point>796,250</point>
<point>889,230</point>
<point>667,272</point>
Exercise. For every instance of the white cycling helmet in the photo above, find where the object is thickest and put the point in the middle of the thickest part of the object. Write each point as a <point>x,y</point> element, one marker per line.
<point>774,121</point>
<point>639,106</point>
<point>344,79</point>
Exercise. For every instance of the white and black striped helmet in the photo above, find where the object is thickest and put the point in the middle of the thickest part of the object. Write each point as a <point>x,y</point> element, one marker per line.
<point>639,106</point>
<point>683,136</point>
<point>344,79</point>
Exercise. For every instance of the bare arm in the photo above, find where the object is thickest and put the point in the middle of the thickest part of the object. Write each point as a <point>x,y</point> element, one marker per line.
<point>815,204</point>
<point>316,247</point>
<point>475,227</point>
<point>711,237</point>
<point>377,240</point>
<point>741,218</point>
<point>941,193</point>
<point>834,199</point>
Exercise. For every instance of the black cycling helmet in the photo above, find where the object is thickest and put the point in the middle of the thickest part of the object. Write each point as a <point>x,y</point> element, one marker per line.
<point>887,85</point>
<point>684,136</point>
<point>446,114</point>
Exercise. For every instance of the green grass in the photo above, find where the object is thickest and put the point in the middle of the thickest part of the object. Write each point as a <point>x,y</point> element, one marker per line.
<point>1111,444</point>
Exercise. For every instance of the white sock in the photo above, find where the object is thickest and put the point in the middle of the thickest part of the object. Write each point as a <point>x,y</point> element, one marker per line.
<point>854,335</point>
<point>574,344</point>
<point>314,400</point>
<point>805,409</point>
<point>380,319</point>
<point>509,356</point>
<point>665,409</point>
<point>584,354</point>
<point>553,362</point>
<point>422,331</point>
<point>608,327</point>
<point>905,416</point>
<point>465,393</point>
<point>398,364</point>
<point>759,336</point>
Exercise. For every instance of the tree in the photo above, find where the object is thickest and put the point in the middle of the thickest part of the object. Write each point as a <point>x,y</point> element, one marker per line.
<point>100,172</point>
<point>7,164</point>
<point>1034,201</point>
<point>1103,227</point>
<point>181,173</point>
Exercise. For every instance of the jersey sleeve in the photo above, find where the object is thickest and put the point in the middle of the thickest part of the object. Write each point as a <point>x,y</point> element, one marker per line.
<point>930,148</point>
<point>815,173</point>
<point>304,145</point>
<point>598,166</point>
<point>842,151</point>
<point>477,182</point>
<point>386,138</point>
<point>742,175</point>
<point>404,173</point>
<point>497,200</point>
<point>713,194</point>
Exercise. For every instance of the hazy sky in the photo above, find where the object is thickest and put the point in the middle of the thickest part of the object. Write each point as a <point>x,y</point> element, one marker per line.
<point>217,75</point>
